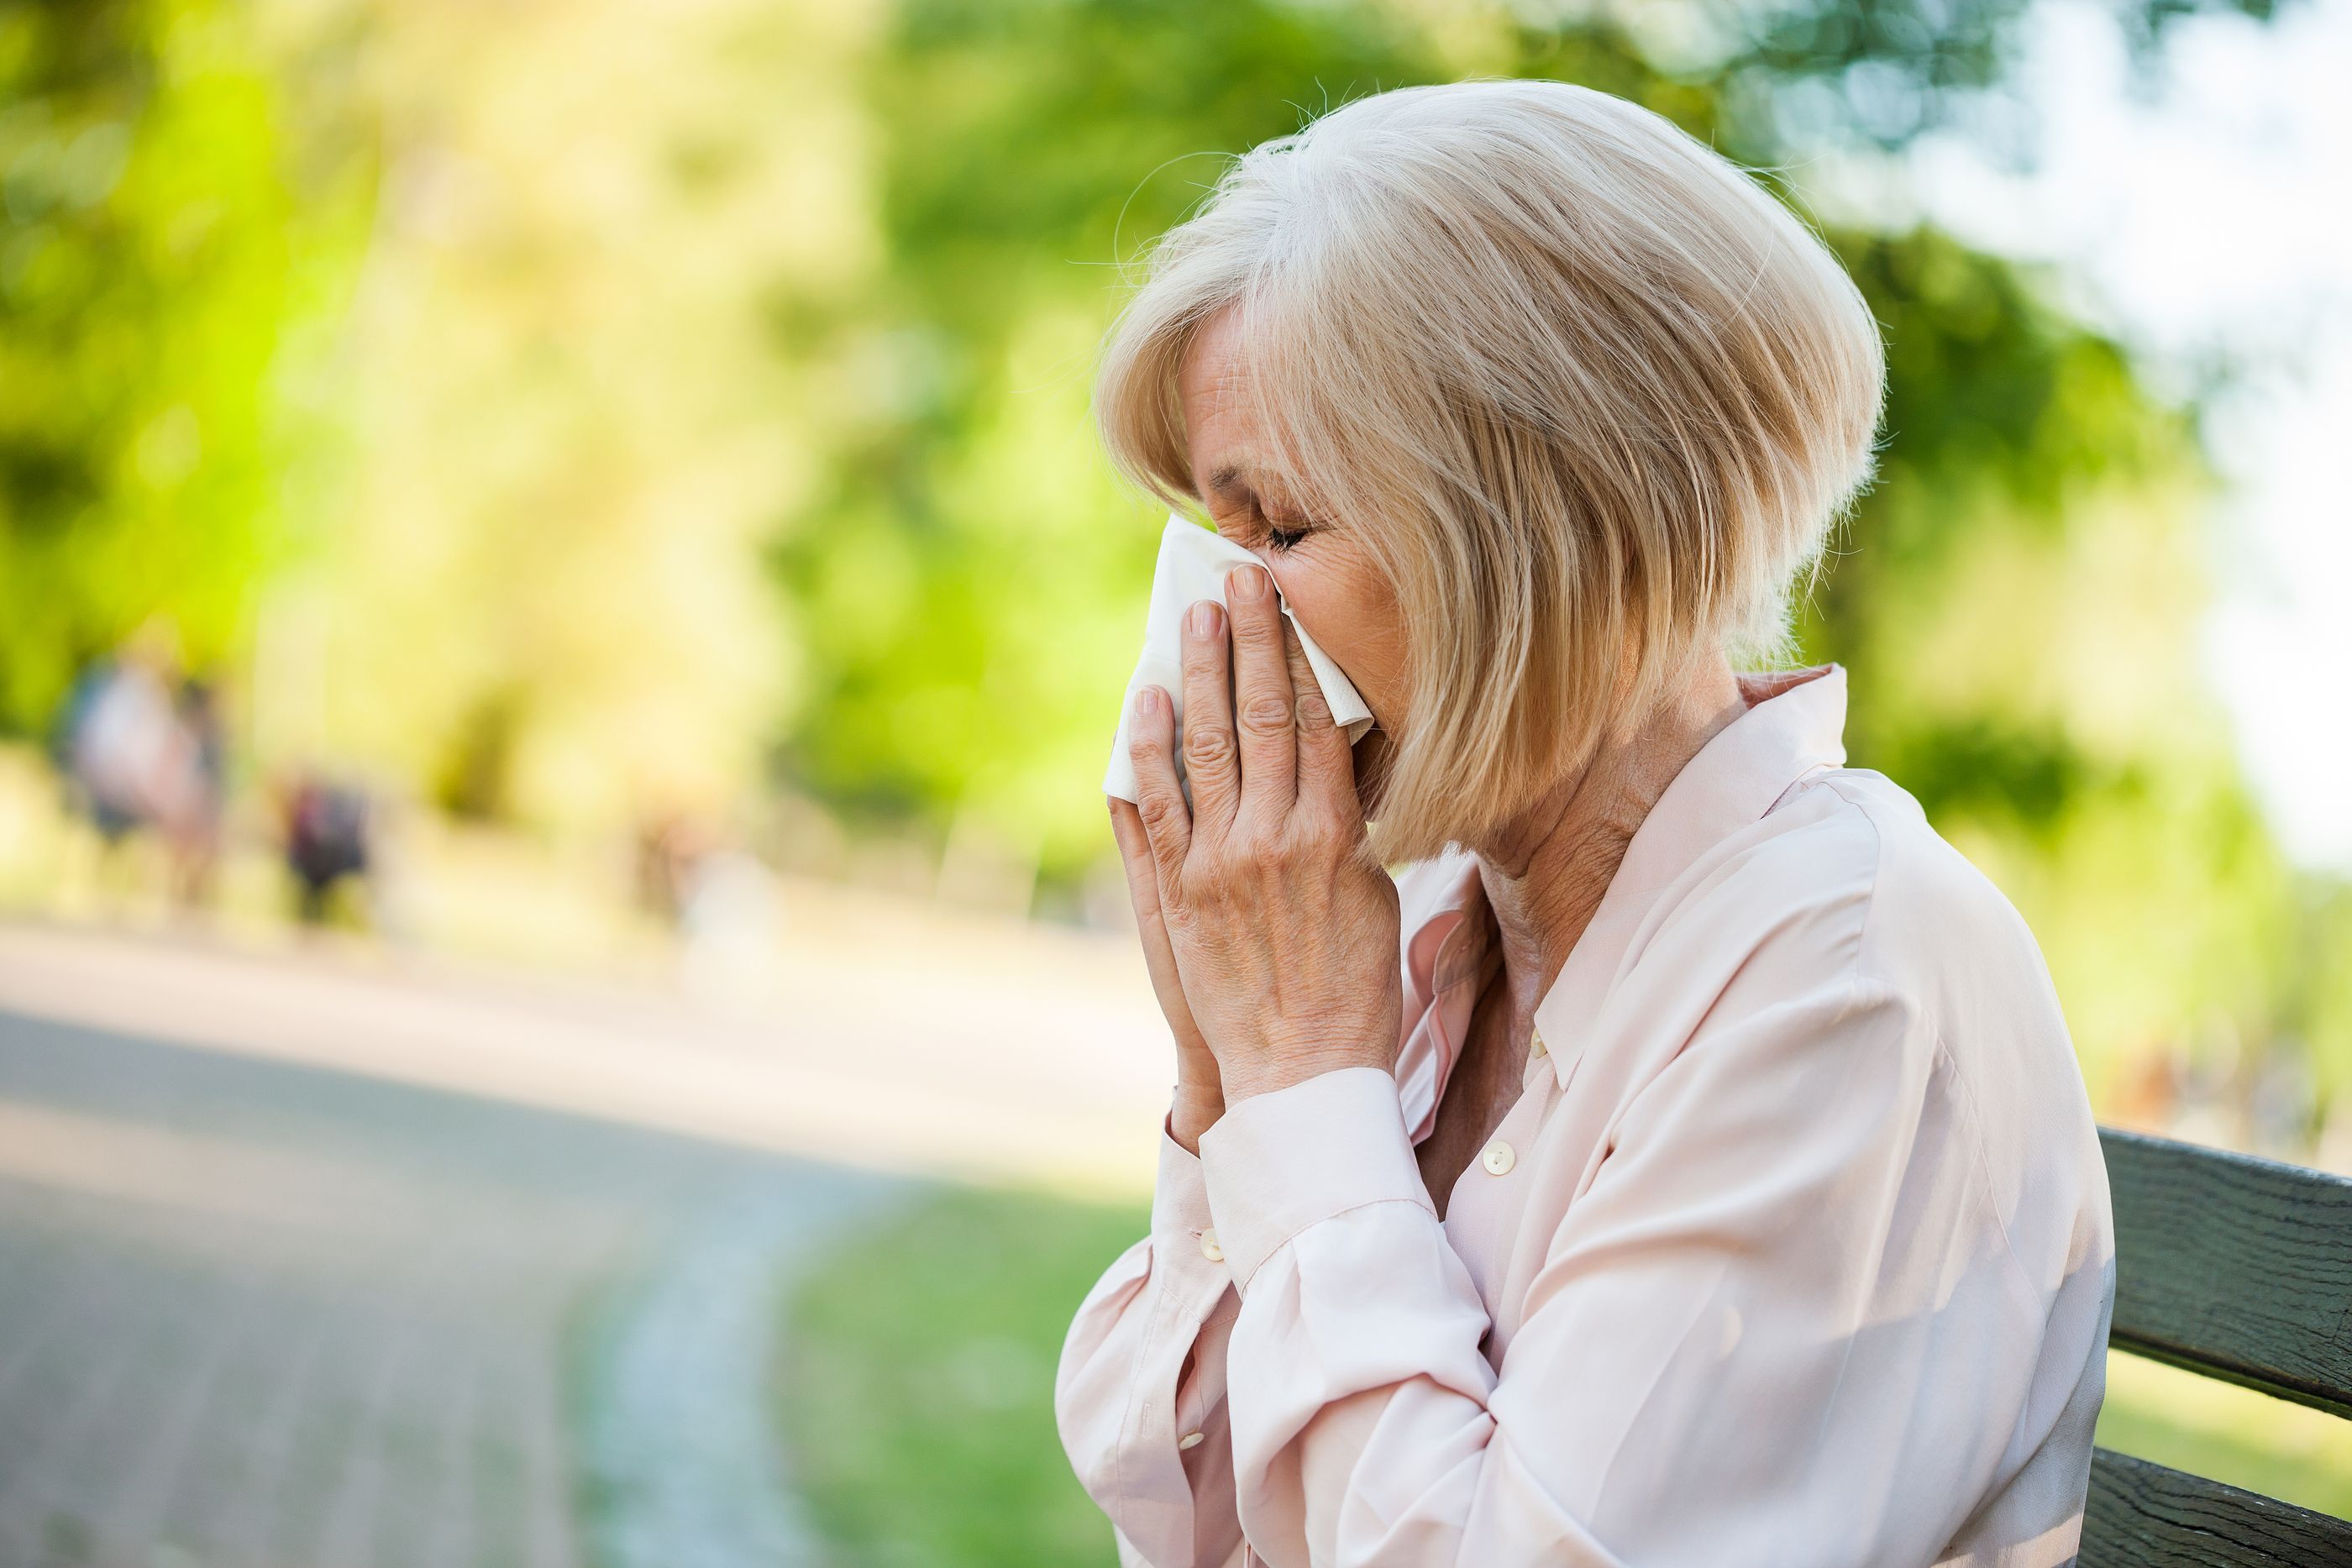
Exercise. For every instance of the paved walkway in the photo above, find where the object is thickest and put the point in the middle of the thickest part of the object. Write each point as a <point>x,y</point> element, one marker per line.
<point>339,1260</point>
<point>892,1036</point>
<point>253,1313</point>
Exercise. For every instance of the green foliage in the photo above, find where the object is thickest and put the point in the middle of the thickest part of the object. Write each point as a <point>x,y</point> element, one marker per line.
<point>2318,1013</point>
<point>529,587</point>
<point>916,1391</point>
<point>151,252</point>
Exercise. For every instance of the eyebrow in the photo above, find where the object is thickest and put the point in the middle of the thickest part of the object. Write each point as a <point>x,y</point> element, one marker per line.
<point>1229,474</point>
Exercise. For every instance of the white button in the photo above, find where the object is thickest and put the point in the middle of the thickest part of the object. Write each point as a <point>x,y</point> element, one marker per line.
<point>1499,1158</point>
<point>1209,1248</point>
<point>1539,1047</point>
<point>1189,1440</point>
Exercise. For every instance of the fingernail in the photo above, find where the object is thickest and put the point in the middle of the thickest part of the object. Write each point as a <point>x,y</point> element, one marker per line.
<point>1204,618</point>
<point>1244,582</point>
<point>1146,702</point>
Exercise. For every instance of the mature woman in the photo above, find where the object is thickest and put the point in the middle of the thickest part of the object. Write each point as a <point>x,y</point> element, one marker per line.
<point>1681,1160</point>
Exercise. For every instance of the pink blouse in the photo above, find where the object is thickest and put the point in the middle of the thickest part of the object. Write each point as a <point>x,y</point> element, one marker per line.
<point>1794,1250</point>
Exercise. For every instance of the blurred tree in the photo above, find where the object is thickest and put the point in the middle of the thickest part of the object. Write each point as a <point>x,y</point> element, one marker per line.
<point>535,596</point>
<point>157,252</point>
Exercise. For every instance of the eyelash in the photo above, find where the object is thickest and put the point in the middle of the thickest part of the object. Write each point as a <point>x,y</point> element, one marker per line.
<point>1285,538</point>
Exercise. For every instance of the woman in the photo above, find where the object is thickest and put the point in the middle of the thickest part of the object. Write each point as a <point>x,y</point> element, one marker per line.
<point>1682,1161</point>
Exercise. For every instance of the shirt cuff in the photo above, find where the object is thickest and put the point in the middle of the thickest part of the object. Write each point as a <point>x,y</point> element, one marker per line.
<point>1179,1200</point>
<point>1277,1163</point>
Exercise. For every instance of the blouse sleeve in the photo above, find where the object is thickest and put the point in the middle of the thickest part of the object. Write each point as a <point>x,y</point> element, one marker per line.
<point>1143,1372</point>
<point>1782,1323</point>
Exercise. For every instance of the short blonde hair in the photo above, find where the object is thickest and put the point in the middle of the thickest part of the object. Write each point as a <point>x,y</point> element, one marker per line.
<point>1587,394</point>
<point>1583,389</point>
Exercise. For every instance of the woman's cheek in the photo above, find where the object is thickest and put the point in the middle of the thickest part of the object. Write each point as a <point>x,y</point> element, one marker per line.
<point>1348,622</point>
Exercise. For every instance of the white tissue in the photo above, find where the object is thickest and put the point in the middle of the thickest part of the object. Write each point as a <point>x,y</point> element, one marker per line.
<point>1192,565</point>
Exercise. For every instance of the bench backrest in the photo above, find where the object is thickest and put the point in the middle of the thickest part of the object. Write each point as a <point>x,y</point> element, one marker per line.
<point>2238,1269</point>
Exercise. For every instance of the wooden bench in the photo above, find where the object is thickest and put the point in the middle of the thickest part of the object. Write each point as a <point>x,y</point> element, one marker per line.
<point>2238,1269</point>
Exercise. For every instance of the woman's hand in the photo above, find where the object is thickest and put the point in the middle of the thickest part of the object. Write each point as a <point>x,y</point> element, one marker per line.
<point>1279,928</point>
<point>1200,1096</point>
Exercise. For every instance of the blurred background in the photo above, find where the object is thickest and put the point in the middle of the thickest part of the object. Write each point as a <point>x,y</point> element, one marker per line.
<point>565,995</point>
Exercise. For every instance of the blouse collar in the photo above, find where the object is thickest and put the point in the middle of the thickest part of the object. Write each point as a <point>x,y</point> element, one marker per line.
<point>1794,724</point>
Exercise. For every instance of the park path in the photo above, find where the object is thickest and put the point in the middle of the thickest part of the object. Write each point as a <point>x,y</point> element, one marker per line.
<point>254,1313</point>
<point>891,1034</point>
<point>314,1263</point>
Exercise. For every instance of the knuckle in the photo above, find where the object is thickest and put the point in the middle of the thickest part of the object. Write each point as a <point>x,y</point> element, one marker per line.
<point>1207,746</point>
<point>1314,823</point>
<point>1320,834</point>
<point>1159,809</point>
<point>1266,712</point>
<point>1314,712</point>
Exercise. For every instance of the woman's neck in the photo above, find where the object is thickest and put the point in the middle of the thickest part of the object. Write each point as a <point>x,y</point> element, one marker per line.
<point>1545,872</point>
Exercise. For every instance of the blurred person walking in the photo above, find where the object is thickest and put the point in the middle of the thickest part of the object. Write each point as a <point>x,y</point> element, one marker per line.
<point>193,831</point>
<point>120,751</point>
<point>132,760</point>
<point>327,828</point>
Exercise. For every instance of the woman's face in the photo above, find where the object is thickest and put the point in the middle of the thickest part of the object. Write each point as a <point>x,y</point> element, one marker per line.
<point>1330,584</point>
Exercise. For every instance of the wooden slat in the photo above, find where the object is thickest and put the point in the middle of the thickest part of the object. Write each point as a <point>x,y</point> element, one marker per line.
<point>2143,1516</point>
<point>2234,1267</point>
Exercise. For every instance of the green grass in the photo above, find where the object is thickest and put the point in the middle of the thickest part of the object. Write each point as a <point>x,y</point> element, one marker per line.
<point>2229,1433</point>
<point>918,1384</point>
<point>918,1394</point>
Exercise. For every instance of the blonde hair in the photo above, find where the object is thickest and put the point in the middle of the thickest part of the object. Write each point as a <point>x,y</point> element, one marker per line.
<point>1589,395</point>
